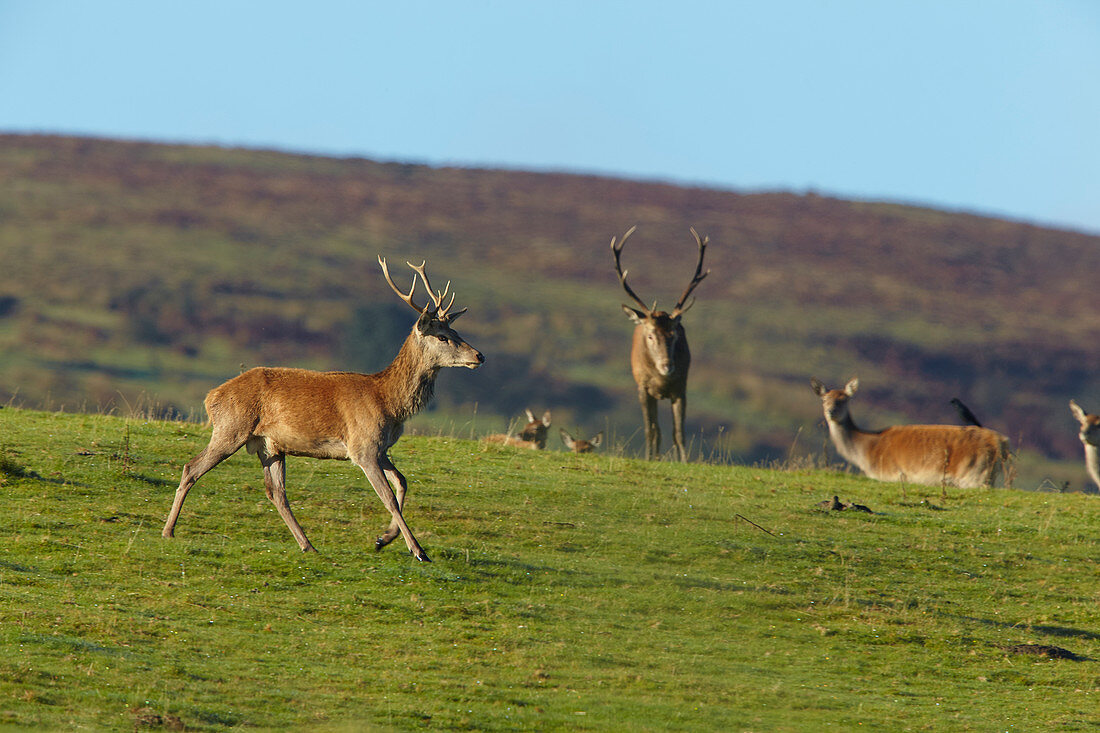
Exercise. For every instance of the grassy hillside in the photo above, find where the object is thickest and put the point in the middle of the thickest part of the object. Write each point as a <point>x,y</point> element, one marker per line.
<point>567,592</point>
<point>138,274</point>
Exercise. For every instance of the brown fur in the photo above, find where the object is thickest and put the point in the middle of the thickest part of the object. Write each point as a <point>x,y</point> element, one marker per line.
<point>659,354</point>
<point>580,446</point>
<point>276,412</point>
<point>967,457</point>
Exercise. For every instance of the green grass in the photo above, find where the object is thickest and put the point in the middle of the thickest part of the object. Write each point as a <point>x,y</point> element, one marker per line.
<point>566,592</point>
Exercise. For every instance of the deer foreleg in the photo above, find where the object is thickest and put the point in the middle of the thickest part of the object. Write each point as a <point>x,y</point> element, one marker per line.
<point>275,486</point>
<point>210,456</point>
<point>400,486</point>
<point>652,428</point>
<point>679,408</point>
<point>377,479</point>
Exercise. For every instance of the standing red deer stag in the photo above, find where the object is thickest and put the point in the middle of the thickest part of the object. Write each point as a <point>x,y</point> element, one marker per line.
<point>276,412</point>
<point>659,355</point>
<point>934,455</point>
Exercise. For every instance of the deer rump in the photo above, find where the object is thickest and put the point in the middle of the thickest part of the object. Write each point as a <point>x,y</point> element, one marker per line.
<point>967,457</point>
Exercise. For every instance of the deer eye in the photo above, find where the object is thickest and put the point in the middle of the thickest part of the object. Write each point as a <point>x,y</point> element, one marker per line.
<point>443,338</point>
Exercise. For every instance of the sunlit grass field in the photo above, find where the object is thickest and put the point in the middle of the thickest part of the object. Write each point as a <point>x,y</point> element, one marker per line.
<point>567,592</point>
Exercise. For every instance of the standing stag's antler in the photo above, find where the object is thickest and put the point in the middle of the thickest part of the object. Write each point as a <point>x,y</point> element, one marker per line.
<point>697,278</point>
<point>437,297</point>
<point>617,248</point>
<point>680,308</point>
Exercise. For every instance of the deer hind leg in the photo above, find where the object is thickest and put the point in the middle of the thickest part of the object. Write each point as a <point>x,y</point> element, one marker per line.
<point>275,486</point>
<point>679,408</point>
<point>372,467</point>
<point>652,428</point>
<point>400,486</point>
<point>998,466</point>
<point>221,446</point>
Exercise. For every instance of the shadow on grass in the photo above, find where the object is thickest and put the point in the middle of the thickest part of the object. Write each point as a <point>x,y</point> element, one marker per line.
<point>151,480</point>
<point>507,567</point>
<point>4,564</point>
<point>1063,632</point>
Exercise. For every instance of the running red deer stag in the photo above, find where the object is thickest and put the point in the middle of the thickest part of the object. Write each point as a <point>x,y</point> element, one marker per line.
<point>580,446</point>
<point>1090,438</point>
<point>934,455</point>
<point>276,412</point>
<point>532,436</point>
<point>659,355</point>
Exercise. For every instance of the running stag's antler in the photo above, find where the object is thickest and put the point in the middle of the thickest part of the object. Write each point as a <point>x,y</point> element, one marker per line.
<point>437,297</point>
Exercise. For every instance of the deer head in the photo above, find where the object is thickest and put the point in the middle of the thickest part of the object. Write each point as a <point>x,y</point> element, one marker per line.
<point>835,401</point>
<point>440,345</point>
<point>536,428</point>
<point>580,446</point>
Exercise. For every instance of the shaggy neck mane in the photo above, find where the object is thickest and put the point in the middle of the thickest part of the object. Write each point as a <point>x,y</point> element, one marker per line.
<point>410,381</point>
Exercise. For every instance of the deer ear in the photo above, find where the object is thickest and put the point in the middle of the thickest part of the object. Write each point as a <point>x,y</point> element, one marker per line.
<point>566,438</point>
<point>634,315</point>
<point>424,322</point>
<point>597,440</point>
<point>1077,412</point>
<point>819,388</point>
<point>546,418</point>
<point>851,387</point>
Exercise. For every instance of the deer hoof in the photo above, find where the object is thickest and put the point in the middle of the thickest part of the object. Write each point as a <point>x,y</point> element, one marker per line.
<point>422,557</point>
<point>379,543</point>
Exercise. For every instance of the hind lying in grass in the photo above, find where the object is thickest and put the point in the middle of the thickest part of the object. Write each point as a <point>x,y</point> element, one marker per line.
<point>967,457</point>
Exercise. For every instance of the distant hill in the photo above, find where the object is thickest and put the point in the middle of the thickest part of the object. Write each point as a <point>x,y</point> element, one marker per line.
<point>145,273</point>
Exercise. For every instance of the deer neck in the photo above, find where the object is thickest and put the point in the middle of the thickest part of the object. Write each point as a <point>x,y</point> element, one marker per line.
<point>409,381</point>
<point>851,442</point>
<point>1092,462</point>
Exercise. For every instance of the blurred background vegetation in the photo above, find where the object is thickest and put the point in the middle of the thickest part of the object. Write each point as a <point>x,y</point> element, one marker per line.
<point>141,275</point>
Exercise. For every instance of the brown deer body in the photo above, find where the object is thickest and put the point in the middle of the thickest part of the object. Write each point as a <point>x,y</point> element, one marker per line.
<point>580,446</point>
<point>276,412</point>
<point>659,354</point>
<point>1090,438</point>
<point>532,436</point>
<point>967,457</point>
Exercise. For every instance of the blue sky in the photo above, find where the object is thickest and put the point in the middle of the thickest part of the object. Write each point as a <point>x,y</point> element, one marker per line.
<point>991,107</point>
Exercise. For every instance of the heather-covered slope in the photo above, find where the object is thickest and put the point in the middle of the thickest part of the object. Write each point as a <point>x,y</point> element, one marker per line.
<point>144,272</point>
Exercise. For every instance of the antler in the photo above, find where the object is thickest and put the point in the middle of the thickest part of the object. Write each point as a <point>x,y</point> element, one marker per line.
<point>442,313</point>
<point>407,298</point>
<point>617,250</point>
<point>697,278</point>
<point>437,298</point>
